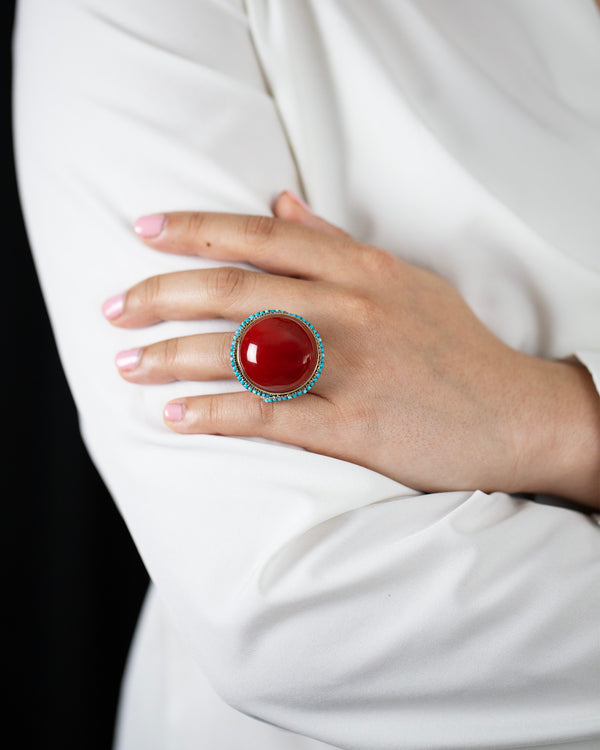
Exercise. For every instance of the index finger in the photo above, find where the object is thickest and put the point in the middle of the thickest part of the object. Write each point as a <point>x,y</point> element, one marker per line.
<point>275,245</point>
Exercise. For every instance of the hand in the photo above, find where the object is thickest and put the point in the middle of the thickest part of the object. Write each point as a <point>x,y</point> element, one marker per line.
<point>414,385</point>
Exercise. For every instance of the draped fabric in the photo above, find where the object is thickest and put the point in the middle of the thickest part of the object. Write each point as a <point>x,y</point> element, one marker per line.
<point>299,600</point>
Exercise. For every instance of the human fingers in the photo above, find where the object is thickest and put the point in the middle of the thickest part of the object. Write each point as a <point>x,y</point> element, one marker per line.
<point>282,247</point>
<point>305,422</point>
<point>225,292</point>
<point>198,357</point>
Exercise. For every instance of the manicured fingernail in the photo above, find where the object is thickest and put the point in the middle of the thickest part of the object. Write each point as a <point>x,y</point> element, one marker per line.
<point>113,306</point>
<point>149,226</point>
<point>298,200</point>
<point>128,360</point>
<point>174,412</point>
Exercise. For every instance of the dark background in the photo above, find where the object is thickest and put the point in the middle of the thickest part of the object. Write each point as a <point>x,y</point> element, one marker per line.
<point>72,576</point>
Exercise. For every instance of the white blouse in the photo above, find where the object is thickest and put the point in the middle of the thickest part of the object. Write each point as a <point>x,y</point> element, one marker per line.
<point>300,601</point>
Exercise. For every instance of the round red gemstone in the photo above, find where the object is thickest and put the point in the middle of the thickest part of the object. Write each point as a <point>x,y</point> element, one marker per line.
<point>277,353</point>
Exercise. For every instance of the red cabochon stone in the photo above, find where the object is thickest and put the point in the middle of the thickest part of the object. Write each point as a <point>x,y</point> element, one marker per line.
<point>277,353</point>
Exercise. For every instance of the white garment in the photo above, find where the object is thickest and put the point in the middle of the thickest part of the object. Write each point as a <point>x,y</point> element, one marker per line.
<point>313,594</point>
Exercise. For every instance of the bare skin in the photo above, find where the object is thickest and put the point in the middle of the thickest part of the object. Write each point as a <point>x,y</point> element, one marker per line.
<point>414,387</point>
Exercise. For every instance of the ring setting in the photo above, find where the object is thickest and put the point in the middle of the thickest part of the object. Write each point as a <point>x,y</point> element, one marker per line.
<point>277,355</point>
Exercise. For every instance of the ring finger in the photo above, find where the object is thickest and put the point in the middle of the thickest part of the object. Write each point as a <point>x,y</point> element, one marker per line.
<point>198,357</point>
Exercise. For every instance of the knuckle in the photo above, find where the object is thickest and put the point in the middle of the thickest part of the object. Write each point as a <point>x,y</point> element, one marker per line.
<point>223,353</point>
<point>227,282</point>
<point>258,229</point>
<point>242,416</point>
<point>193,225</point>
<point>214,411</point>
<point>358,307</point>
<point>377,262</point>
<point>150,292</point>
<point>356,423</point>
<point>170,355</point>
<point>266,413</point>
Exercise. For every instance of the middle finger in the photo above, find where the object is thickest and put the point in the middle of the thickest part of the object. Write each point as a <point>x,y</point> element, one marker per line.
<point>224,292</point>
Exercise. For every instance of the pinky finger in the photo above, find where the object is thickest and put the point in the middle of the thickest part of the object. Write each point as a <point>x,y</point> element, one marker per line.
<point>245,415</point>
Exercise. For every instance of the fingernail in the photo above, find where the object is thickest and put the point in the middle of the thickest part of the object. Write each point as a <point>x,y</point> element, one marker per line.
<point>174,412</point>
<point>149,226</point>
<point>128,360</point>
<point>113,306</point>
<point>298,200</point>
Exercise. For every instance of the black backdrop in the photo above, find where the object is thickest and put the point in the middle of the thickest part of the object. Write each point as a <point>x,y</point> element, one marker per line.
<point>72,579</point>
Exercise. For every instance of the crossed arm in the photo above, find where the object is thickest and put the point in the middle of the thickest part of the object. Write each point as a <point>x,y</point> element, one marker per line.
<point>314,593</point>
<point>415,387</point>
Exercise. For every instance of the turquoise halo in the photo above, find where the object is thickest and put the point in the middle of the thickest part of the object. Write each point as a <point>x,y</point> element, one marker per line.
<point>265,395</point>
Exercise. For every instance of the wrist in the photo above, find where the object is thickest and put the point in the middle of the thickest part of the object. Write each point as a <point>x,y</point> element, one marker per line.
<point>556,430</point>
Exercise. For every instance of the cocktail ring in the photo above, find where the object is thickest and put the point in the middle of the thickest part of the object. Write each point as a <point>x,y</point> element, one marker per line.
<point>277,355</point>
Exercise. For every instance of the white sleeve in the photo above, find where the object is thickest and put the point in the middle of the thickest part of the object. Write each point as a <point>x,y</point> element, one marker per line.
<point>592,361</point>
<point>315,594</point>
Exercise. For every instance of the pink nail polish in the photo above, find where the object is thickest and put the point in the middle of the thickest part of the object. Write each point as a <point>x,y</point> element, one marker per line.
<point>113,306</point>
<point>149,226</point>
<point>298,200</point>
<point>174,412</point>
<point>128,360</point>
